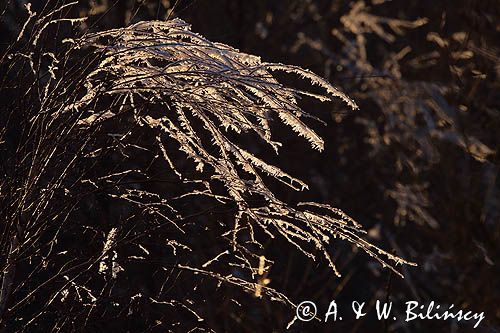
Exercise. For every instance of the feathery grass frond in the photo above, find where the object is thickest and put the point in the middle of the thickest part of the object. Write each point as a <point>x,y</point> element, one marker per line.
<point>195,81</point>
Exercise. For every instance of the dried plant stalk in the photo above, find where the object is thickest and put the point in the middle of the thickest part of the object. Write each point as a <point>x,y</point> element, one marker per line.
<point>194,79</point>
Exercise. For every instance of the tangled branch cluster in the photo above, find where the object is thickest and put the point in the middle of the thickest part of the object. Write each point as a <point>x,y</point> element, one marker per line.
<point>193,79</point>
<point>152,127</point>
